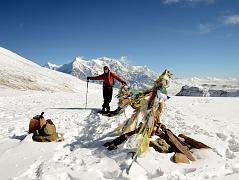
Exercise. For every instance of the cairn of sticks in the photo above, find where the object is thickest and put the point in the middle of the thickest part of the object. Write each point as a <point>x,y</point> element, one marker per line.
<point>150,103</point>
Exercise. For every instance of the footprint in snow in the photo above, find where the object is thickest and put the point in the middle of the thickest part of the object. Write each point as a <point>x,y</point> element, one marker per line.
<point>221,136</point>
<point>233,145</point>
<point>189,170</point>
<point>229,154</point>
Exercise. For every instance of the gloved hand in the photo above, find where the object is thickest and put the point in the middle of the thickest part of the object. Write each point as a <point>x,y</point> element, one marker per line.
<point>88,78</point>
<point>123,84</point>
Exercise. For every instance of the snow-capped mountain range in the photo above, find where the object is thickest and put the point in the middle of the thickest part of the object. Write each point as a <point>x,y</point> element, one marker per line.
<point>19,73</point>
<point>141,77</point>
<point>138,77</point>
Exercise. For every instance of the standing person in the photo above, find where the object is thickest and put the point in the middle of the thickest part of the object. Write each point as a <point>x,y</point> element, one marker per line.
<point>108,83</point>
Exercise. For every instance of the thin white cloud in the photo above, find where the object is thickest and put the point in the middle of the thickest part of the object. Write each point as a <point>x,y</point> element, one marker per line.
<point>187,1</point>
<point>170,1</point>
<point>231,20</point>
<point>205,28</point>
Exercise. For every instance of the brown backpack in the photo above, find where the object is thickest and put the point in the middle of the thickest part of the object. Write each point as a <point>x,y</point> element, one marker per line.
<point>43,130</point>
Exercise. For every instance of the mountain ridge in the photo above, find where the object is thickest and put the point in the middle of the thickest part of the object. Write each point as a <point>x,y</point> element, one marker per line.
<point>20,73</point>
<point>138,77</point>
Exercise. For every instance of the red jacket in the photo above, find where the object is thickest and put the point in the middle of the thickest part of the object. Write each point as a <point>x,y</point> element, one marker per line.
<point>108,78</point>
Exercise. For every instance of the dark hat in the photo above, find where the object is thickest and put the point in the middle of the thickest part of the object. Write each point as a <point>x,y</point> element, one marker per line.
<point>106,68</point>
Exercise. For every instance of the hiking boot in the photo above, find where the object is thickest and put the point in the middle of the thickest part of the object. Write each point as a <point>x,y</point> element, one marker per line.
<point>103,109</point>
<point>112,147</point>
<point>108,109</point>
<point>118,110</point>
<point>107,144</point>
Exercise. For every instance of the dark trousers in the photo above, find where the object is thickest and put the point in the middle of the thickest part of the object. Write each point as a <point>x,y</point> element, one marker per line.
<point>107,95</point>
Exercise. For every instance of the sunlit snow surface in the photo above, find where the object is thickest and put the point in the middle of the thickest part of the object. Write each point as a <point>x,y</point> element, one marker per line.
<point>213,121</point>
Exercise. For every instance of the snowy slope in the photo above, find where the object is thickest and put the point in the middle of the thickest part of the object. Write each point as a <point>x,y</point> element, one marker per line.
<point>213,121</point>
<point>136,76</point>
<point>20,73</point>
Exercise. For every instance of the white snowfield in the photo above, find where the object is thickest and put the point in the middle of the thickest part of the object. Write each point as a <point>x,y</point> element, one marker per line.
<point>213,121</point>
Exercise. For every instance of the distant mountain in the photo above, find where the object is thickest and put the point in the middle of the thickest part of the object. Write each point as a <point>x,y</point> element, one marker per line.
<point>19,73</point>
<point>210,86</point>
<point>52,66</point>
<point>138,77</point>
<point>141,77</point>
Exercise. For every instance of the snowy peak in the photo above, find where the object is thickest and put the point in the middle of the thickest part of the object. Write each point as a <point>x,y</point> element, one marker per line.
<point>136,76</point>
<point>52,66</point>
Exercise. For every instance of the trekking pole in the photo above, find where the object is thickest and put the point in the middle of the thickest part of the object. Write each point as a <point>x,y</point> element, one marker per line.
<point>86,94</point>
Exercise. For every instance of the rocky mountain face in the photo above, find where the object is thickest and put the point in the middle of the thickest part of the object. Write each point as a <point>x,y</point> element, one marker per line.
<point>206,92</point>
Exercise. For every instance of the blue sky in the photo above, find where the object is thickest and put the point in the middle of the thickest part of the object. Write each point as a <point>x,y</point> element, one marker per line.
<point>190,37</point>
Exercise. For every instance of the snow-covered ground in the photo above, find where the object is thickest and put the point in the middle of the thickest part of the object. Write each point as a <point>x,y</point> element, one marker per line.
<point>26,89</point>
<point>213,121</point>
